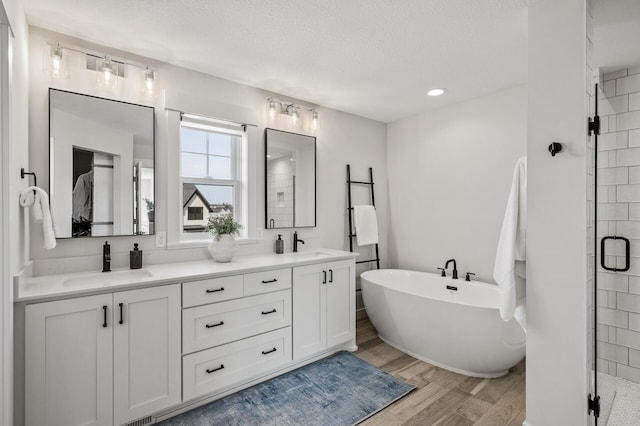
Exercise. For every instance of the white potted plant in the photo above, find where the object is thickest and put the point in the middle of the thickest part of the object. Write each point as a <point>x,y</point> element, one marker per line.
<point>224,228</point>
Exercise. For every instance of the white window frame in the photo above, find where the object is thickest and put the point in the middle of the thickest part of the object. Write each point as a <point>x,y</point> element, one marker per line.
<point>239,171</point>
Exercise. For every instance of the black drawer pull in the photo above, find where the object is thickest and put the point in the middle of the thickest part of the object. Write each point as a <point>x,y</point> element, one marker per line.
<point>324,277</point>
<point>121,309</point>
<point>268,352</point>
<point>269,281</point>
<point>104,322</point>
<point>273,311</point>
<point>215,369</point>
<point>216,290</point>
<point>330,275</point>
<point>214,325</point>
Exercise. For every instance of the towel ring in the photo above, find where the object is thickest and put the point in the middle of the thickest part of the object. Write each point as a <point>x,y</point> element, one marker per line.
<point>35,178</point>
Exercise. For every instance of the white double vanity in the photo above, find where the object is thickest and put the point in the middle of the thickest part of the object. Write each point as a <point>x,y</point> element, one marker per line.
<point>134,347</point>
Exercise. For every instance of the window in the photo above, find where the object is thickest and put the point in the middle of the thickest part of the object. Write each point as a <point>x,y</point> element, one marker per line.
<point>195,213</point>
<point>210,158</point>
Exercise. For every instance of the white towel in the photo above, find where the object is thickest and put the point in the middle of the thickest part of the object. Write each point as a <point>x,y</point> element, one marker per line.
<point>509,270</point>
<point>39,203</point>
<point>366,224</point>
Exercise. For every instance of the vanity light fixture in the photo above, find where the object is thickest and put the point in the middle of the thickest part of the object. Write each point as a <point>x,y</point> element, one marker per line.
<point>108,69</point>
<point>436,92</point>
<point>277,106</point>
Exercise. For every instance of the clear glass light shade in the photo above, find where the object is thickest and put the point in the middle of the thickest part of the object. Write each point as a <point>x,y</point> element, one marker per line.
<point>272,110</point>
<point>295,117</point>
<point>55,62</point>
<point>107,73</point>
<point>150,83</point>
<point>314,118</point>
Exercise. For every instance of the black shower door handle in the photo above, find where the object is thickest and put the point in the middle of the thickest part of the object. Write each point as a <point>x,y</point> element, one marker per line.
<point>627,254</point>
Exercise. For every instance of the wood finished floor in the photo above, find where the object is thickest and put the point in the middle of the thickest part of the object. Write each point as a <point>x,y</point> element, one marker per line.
<point>442,397</point>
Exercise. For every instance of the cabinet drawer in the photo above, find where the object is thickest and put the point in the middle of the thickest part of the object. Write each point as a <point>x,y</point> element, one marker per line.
<point>219,323</point>
<point>264,282</point>
<point>212,290</point>
<point>217,368</point>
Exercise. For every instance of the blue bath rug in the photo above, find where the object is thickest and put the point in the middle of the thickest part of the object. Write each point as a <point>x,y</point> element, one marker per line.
<point>340,390</point>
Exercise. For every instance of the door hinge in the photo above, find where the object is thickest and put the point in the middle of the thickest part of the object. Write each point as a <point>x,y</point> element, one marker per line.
<point>594,405</point>
<point>594,125</point>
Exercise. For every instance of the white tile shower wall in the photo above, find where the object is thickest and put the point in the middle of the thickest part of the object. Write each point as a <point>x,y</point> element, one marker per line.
<point>619,214</point>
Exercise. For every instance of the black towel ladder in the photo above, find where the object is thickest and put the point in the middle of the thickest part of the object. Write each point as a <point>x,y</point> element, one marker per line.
<point>352,234</point>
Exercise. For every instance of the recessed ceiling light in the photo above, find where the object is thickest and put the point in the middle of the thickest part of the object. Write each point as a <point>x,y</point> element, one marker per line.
<point>436,92</point>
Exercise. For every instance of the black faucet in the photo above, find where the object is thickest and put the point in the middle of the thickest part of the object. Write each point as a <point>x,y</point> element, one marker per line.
<point>296,240</point>
<point>106,257</point>
<point>455,270</point>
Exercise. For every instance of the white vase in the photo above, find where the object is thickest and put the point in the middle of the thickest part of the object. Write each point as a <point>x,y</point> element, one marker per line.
<point>222,248</point>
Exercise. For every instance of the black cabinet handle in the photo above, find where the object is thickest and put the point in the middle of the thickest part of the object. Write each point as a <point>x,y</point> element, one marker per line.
<point>269,351</point>
<point>269,312</point>
<point>121,309</point>
<point>215,369</point>
<point>216,290</point>
<point>330,275</point>
<point>270,281</point>
<point>324,277</point>
<point>104,322</point>
<point>214,325</point>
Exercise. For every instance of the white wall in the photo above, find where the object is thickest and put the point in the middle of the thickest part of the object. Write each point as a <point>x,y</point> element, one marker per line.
<point>450,173</point>
<point>18,135</point>
<point>341,138</point>
<point>557,215</point>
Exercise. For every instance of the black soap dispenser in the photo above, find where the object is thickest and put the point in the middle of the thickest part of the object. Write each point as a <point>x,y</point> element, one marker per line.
<point>279,245</point>
<point>135,257</point>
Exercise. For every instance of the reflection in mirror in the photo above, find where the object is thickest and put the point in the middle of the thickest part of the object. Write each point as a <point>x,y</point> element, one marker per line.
<point>290,177</point>
<point>101,166</point>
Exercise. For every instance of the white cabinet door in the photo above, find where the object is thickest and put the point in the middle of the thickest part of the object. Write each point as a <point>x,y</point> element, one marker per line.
<point>309,313</point>
<point>341,314</point>
<point>68,362</point>
<point>147,351</point>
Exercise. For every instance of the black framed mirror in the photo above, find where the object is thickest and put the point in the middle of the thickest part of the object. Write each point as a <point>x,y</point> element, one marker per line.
<point>101,166</point>
<point>290,180</point>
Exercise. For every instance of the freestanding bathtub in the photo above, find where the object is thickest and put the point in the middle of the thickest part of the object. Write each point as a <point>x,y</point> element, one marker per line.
<point>460,330</point>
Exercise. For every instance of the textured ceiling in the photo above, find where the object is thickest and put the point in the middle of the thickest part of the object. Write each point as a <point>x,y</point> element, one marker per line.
<point>374,58</point>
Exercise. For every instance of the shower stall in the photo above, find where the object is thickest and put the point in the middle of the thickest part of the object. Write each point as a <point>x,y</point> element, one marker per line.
<point>615,256</point>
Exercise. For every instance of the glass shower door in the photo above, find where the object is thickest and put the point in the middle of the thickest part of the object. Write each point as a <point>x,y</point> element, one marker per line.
<point>616,250</point>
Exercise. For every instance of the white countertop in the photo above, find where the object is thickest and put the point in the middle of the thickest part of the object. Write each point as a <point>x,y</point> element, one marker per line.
<point>40,288</point>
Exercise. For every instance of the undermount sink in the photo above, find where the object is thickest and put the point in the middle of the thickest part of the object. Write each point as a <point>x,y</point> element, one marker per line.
<point>312,254</point>
<point>107,278</point>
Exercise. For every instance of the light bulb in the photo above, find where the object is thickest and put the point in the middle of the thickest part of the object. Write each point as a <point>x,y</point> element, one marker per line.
<point>314,118</point>
<point>294,117</point>
<point>272,109</point>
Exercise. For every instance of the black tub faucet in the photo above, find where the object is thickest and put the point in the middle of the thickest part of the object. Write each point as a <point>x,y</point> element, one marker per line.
<point>106,257</point>
<point>296,240</point>
<point>455,270</point>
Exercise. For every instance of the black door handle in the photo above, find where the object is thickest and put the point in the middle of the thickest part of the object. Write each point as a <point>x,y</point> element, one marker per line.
<point>121,309</point>
<point>215,369</point>
<point>216,290</point>
<point>324,277</point>
<point>270,281</point>
<point>269,312</point>
<point>330,275</point>
<point>627,253</point>
<point>214,325</point>
<point>104,322</point>
<point>269,351</point>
